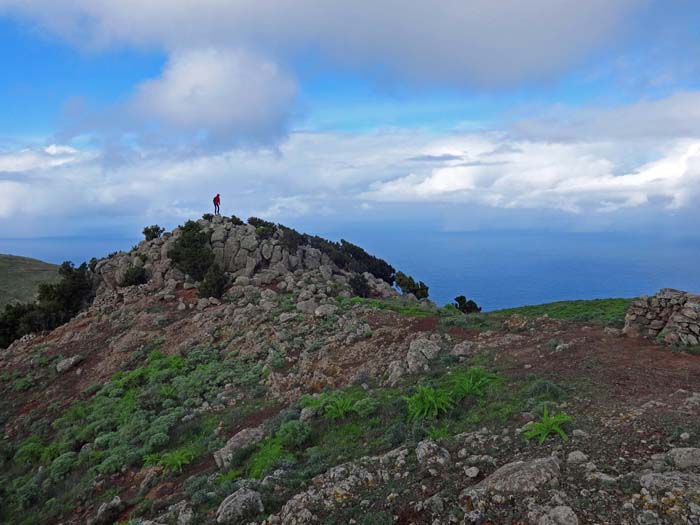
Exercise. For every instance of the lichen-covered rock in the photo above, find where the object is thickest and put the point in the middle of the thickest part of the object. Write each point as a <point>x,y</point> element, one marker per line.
<point>66,364</point>
<point>247,437</point>
<point>522,476</point>
<point>421,351</point>
<point>560,515</point>
<point>242,504</point>
<point>431,455</point>
<point>108,512</point>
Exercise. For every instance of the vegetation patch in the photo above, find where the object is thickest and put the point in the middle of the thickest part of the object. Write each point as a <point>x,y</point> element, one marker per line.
<point>604,311</point>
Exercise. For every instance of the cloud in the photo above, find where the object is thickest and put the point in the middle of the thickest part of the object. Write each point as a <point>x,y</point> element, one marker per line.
<point>35,158</point>
<point>672,117</point>
<point>572,178</point>
<point>322,177</point>
<point>209,99</point>
<point>218,96</point>
<point>480,42</point>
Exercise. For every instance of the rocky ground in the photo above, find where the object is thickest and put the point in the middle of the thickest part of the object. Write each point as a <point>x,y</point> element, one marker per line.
<point>287,401</point>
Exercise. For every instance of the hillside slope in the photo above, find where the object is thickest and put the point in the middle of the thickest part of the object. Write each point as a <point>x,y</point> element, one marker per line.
<point>20,278</point>
<point>288,401</point>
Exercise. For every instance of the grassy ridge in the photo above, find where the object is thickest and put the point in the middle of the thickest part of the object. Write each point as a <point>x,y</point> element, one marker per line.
<point>606,311</point>
<point>603,311</point>
<point>20,278</point>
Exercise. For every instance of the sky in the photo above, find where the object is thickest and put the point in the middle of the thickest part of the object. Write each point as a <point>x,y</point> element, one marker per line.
<point>478,115</point>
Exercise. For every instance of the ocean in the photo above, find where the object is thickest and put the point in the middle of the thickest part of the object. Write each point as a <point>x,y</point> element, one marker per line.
<point>496,269</point>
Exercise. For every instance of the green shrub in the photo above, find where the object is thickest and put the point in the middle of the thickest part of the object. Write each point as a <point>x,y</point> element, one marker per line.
<point>548,424</point>
<point>350,257</point>
<point>543,389</point>
<point>57,304</point>
<point>293,434</point>
<point>408,285</point>
<point>190,252</point>
<point>214,283</point>
<point>466,307</point>
<point>360,285</point>
<point>268,455</point>
<point>29,451</point>
<point>263,229</point>
<point>365,407</point>
<point>236,221</point>
<point>134,275</point>
<point>62,465</point>
<point>439,432</point>
<point>207,217</point>
<point>428,403</point>
<point>291,239</point>
<point>152,232</point>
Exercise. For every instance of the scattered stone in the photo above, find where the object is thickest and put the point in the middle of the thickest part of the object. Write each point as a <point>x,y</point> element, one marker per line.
<point>287,316</point>
<point>561,515</point>
<point>307,307</point>
<point>576,457</point>
<point>430,454</point>
<point>325,310</point>
<point>684,458</point>
<point>471,472</point>
<point>66,364</point>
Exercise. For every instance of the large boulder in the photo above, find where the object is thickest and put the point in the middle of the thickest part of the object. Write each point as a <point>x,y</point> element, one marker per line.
<point>239,506</point>
<point>522,476</point>
<point>246,438</point>
<point>421,351</point>
<point>108,512</point>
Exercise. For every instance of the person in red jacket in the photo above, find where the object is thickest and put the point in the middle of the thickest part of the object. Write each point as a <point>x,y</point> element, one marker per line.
<point>217,201</point>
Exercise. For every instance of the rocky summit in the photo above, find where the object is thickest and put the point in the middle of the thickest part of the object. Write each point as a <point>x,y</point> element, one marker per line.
<point>287,381</point>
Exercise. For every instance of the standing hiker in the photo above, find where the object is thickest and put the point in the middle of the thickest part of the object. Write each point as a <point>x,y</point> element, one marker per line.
<point>217,201</point>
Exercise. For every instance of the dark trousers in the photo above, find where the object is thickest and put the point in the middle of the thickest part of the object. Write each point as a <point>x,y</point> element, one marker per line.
<point>216,209</point>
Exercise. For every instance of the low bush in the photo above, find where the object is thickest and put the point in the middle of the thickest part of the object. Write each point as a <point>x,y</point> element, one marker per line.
<point>291,239</point>
<point>207,216</point>
<point>236,221</point>
<point>360,285</point>
<point>408,285</point>
<point>135,275</point>
<point>266,457</point>
<point>191,253</point>
<point>214,282</point>
<point>293,434</point>
<point>152,232</point>
<point>62,465</point>
<point>466,307</point>
<point>263,229</point>
<point>57,303</point>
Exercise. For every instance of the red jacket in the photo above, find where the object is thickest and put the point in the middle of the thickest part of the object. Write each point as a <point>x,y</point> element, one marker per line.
<point>217,200</point>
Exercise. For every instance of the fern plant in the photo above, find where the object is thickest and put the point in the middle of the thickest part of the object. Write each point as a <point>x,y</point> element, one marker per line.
<point>427,403</point>
<point>548,424</point>
<point>472,382</point>
<point>173,461</point>
<point>338,407</point>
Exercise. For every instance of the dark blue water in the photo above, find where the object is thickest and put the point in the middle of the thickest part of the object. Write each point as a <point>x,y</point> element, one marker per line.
<point>497,270</point>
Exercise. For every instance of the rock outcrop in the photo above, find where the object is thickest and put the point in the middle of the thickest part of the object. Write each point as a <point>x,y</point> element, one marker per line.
<point>242,254</point>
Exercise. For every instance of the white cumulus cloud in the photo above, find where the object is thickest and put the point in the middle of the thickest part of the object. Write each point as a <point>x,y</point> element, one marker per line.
<point>227,96</point>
